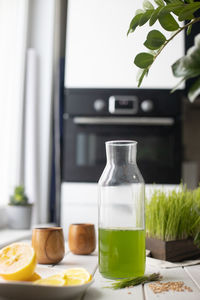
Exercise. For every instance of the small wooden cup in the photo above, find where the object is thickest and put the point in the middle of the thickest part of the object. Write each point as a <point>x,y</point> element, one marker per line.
<point>82,238</point>
<point>49,244</point>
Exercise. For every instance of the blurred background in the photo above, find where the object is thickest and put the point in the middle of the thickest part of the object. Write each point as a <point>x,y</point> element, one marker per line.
<point>67,85</point>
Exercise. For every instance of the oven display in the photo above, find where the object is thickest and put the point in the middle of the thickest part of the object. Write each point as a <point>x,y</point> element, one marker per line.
<point>123,105</point>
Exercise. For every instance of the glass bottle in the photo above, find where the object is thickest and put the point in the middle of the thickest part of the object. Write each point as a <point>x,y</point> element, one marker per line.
<point>121,213</point>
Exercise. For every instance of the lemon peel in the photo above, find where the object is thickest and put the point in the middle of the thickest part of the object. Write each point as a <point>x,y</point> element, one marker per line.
<point>34,277</point>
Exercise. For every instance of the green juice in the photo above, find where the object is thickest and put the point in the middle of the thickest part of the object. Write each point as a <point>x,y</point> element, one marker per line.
<point>121,252</point>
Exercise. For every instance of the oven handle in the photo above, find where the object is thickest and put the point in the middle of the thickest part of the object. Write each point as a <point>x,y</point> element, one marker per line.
<point>123,121</point>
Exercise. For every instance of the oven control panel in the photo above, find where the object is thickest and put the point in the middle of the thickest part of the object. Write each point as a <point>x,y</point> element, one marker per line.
<point>116,102</point>
<point>147,105</point>
<point>123,105</point>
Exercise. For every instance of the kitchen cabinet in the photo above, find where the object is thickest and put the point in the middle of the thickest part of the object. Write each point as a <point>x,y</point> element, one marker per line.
<point>100,55</point>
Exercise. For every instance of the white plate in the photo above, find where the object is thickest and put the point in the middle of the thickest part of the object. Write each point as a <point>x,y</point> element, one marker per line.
<point>25,290</point>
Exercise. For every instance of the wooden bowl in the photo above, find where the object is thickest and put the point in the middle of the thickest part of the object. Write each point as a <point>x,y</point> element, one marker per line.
<point>82,238</point>
<point>49,244</point>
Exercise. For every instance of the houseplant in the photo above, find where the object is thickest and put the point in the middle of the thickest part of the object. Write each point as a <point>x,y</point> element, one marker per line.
<point>19,210</point>
<point>173,224</point>
<point>170,14</point>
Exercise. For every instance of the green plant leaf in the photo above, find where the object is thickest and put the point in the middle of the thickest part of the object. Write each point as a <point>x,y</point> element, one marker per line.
<point>154,16</point>
<point>189,65</point>
<point>142,73</point>
<point>145,17</point>
<point>134,23</point>
<point>159,2</point>
<point>147,5</point>
<point>168,22</point>
<point>155,39</point>
<point>187,12</point>
<point>194,51</point>
<point>173,7</point>
<point>189,29</point>
<point>139,11</point>
<point>194,90</point>
<point>143,60</point>
<point>185,67</point>
<point>185,15</point>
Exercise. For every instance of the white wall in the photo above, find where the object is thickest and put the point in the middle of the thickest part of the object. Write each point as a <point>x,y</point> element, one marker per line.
<point>100,55</point>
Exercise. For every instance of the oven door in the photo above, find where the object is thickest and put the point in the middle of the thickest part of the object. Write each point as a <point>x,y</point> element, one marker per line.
<point>158,153</point>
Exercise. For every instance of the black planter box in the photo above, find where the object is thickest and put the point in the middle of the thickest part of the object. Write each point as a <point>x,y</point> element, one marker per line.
<point>172,251</point>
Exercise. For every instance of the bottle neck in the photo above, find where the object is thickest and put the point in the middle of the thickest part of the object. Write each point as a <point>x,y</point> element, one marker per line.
<point>121,153</point>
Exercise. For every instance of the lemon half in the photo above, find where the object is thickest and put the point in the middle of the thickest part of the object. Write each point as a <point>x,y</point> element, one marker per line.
<point>17,261</point>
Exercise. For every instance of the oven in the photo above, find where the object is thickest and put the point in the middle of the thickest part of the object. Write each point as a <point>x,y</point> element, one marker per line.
<point>93,116</point>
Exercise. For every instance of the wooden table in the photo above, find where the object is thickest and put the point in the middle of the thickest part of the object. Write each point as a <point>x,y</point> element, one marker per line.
<point>189,275</point>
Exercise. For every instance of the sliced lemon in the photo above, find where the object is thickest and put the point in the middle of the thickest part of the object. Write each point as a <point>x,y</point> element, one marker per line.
<point>75,276</point>
<point>34,277</point>
<point>75,281</point>
<point>78,273</point>
<point>52,280</point>
<point>58,276</point>
<point>17,261</point>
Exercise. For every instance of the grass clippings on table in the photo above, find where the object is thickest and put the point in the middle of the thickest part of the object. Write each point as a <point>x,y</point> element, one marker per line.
<point>130,282</point>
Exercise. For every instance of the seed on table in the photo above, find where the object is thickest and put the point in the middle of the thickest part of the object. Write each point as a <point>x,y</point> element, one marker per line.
<point>176,286</point>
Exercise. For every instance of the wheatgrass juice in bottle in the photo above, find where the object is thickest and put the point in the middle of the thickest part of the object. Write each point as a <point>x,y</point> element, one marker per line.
<point>121,252</point>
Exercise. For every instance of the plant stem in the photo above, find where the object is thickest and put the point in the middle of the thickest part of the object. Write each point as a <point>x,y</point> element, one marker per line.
<point>177,32</point>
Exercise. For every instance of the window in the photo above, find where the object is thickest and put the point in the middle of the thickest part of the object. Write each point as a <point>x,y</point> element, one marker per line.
<point>13,26</point>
